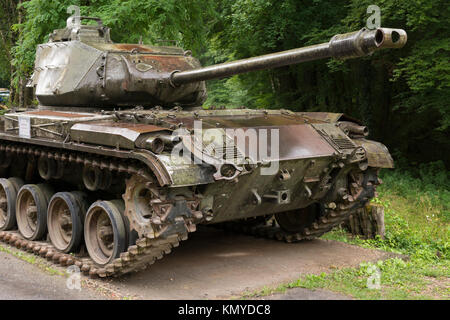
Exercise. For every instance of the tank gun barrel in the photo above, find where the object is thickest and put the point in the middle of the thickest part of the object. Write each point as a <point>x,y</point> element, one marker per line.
<point>341,46</point>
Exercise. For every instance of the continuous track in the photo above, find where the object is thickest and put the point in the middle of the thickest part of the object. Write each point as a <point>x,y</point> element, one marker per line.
<point>137,257</point>
<point>271,230</point>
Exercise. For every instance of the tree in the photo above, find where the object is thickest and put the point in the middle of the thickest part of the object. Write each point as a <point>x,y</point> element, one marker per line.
<point>185,21</point>
<point>400,94</point>
<point>9,16</point>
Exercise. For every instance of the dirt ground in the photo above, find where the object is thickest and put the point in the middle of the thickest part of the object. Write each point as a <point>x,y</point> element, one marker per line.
<point>212,264</point>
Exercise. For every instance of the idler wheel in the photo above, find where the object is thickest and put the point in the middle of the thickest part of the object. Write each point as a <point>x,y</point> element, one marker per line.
<point>105,231</point>
<point>65,218</point>
<point>8,196</point>
<point>297,220</point>
<point>31,210</point>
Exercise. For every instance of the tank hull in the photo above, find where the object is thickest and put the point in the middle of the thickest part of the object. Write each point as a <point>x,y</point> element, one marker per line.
<point>165,194</point>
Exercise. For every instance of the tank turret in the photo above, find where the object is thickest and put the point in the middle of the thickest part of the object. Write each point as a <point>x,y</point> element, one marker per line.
<point>80,66</point>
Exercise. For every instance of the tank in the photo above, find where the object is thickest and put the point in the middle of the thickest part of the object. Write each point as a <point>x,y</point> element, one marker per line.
<point>119,163</point>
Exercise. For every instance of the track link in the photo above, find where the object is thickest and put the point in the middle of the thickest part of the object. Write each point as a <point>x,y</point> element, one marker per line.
<point>136,258</point>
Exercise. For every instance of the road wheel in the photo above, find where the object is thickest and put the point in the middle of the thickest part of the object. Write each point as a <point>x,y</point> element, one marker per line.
<point>31,210</point>
<point>105,231</point>
<point>65,220</point>
<point>8,195</point>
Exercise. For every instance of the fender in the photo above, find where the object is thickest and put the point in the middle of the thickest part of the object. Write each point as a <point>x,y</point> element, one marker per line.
<point>377,153</point>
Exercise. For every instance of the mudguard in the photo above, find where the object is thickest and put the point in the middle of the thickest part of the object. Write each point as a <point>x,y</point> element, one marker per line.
<point>377,153</point>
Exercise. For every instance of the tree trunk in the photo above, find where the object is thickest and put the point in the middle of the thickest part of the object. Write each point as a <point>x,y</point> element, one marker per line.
<point>12,93</point>
<point>21,93</point>
<point>367,222</point>
<point>28,96</point>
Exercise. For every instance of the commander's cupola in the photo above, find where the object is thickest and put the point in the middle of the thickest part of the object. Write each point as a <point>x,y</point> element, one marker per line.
<point>85,33</point>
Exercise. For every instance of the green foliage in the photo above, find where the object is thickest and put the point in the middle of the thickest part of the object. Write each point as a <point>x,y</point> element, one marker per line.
<point>184,21</point>
<point>400,94</point>
<point>417,214</point>
<point>399,280</point>
<point>250,28</point>
<point>41,18</point>
<point>4,70</point>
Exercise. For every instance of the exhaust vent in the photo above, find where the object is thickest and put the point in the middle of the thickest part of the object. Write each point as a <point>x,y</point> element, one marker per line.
<point>343,143</point>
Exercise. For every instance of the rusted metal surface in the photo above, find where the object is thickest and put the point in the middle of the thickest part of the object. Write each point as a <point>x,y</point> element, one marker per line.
<point>139,48</point>
<point>84,68</point>
<point>113,134</point>
<point>302,142</point>
<point>136,127</point>
<point>47,123</point>
<point>57,114</point>
<point>146,157</point>
<point>353,130</point>
<point>344,46</point>
<point>316,224</point>
<point>242,121</point>
<point>323,116</point>
<point>165,63</point>
<point>295,142</point>
<point>378,155</point>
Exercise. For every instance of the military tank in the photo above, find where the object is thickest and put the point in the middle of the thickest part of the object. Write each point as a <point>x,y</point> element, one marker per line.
<point>119,163</point>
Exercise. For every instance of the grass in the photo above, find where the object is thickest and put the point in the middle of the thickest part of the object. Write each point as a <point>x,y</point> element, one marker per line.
<point>417,219</point>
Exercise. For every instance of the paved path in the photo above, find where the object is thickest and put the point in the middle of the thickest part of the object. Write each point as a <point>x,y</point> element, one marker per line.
<point>305,294</point>
<point>212,264</point>
<point>20,280</point>
<point>215,264</point>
